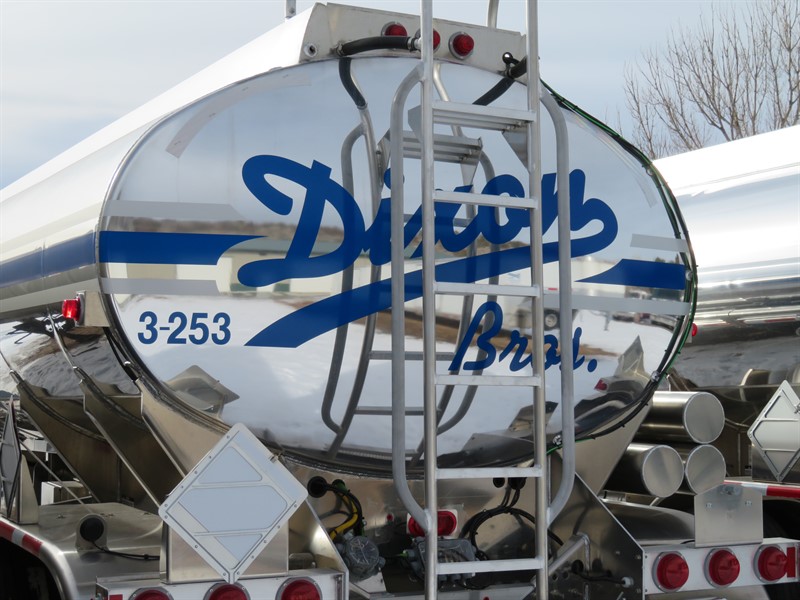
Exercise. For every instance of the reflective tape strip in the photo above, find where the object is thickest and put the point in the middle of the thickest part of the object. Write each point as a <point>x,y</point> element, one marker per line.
<point>173,287</point>
<point>653,242</point>
<point>20,538</point>
<point>770,489</point>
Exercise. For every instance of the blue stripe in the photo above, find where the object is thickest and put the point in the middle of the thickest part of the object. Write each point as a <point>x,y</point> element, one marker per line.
<point>642,273</point>
<point>166,248</point>
<point>59,258</point>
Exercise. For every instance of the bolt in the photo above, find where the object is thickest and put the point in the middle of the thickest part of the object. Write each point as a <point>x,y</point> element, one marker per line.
<point>709,505</point>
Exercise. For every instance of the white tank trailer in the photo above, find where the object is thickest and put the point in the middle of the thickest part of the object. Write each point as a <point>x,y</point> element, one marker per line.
<point>279,334</point>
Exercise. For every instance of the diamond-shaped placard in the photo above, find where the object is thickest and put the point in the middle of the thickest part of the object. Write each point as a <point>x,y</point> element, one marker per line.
<point>233,503</point>
<point>775,434</point>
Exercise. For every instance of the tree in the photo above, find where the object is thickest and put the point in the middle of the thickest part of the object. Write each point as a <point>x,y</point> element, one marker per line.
<point>732,77</point>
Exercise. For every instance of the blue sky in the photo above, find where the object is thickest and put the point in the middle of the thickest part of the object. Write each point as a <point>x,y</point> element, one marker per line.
<point>69,68</point>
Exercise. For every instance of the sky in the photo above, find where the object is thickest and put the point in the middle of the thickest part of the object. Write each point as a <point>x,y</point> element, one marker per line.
<point>69,68</point>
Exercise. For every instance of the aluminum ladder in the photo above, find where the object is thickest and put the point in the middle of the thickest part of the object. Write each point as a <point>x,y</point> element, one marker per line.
<point>471,116</point>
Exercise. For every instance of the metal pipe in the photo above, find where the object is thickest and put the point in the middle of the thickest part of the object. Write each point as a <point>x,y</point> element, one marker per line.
<point>428,301</point>
<point>534,146</point>
<point>491,17</point>
<point>703,468</point>
<point>565,307</point>
<point>290,9</point>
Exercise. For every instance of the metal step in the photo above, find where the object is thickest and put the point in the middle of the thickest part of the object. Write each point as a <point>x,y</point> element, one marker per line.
<point>480,117</point>
<point>485,200</point>
<point>387,411</point>
<point>489,380</point>
<point>466,289</point>
<point>489,472</point>
<point>490,566</point>
<point>411,356</point>
<point>446,148</point>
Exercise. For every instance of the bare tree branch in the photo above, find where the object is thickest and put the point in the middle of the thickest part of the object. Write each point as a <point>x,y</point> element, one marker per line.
<point>727,79</point>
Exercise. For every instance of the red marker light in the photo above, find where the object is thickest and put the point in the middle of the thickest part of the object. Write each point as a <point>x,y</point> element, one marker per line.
<point>394,29</point>
<point>299,589</point>
<point>461,45</point>
<point>723,568</point>
<point>150,595</point>
<point>672,571</point>
<point>772,563</point>
<point>446,522</point>
<point>694,329</point>
<point>71,309</point>
<point>601,385</point>
<point>414,528</point>
<point>226,591</point>
<point>437,39</point>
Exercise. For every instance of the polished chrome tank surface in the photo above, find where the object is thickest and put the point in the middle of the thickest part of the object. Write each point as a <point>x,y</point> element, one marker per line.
<point>231,252</point>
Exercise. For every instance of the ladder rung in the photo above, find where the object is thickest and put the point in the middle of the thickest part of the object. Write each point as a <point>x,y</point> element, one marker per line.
<point>485,200</point>
<point>446,148</point>
<point>489,380</point>
<point>479,116</point>
<point>414,356</point>
<point>489,472</point>
<point>387,410</point>
<point>465,289</point>
<point>490,566</point>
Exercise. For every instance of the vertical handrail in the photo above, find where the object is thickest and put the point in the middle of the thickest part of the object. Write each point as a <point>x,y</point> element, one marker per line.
<point>565,308</point>
<point>491,16</point>
<point>398,302</point>
<point>428,301</point>
<point>534,145</point>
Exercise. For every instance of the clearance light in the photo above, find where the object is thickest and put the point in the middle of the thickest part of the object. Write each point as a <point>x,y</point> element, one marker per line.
<point>414,528</point>
<point>694,329</point>
<point>446,522</point>
<point>601,385</point>
<point>71,309</point>
<point>299,589</point>
<point>772,563</point>
<point>226,591</point>
<point>672,571</point>
<point>394,29</point>
<point>437,39</point>
<point>723,568</point>
<point>150,594</point>
<point>461,45</point>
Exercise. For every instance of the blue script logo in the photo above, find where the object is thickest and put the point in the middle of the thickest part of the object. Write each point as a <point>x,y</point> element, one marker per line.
<point>322,192</point>
<point>517,345</point>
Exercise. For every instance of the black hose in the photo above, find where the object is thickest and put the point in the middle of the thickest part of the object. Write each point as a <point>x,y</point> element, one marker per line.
<point>350,86</point>
<point>381,42</point>
<point>515,69</point>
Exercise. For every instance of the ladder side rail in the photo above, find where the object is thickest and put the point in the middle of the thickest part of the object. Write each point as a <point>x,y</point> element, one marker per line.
<point>534,144</point>
<point>428,302</point>
<point>565,308</point>
<point>398,302</point>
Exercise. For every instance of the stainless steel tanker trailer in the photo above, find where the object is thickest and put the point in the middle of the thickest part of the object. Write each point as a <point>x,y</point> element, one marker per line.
<point>279,334</point>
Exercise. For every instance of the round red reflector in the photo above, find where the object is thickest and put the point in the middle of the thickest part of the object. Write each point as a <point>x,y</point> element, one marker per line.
<point>772,563</point>
<point>437,39</point>
<point>226,591</point>
<point>71,309</point>
<point>394,29</point>
<point>414,528</point>
<point>601,385</point>
<point>723,568</point>
<point>461,45</point>
<point>150,595</point>
<point>446,522</point>
<point>672,571</point>
<point>694,329</point>
<point>300,589</point>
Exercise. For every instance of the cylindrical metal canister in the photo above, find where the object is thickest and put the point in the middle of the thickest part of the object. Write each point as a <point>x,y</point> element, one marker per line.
<point>703,468</point>
<point>648,469</point>
<point>683,417</point>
